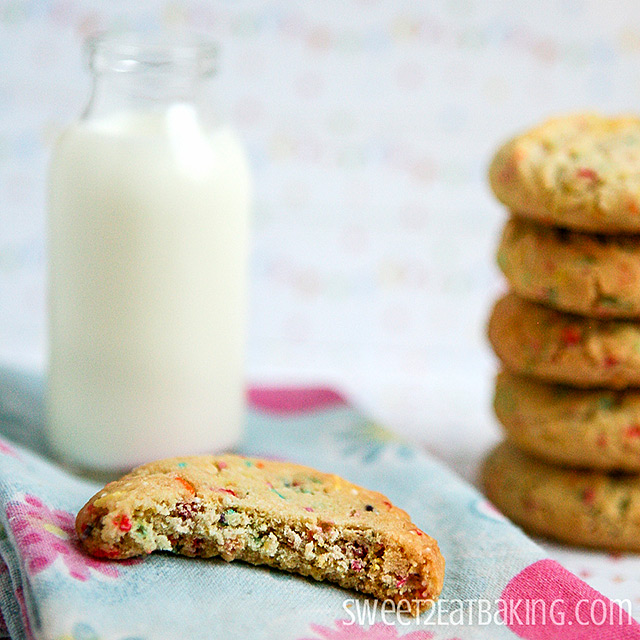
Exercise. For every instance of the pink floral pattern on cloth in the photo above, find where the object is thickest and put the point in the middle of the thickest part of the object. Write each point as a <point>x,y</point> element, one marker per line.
<point>347,630</point>
<point>5,449</point>
<point>57,577</point>
<point>294,401</point>
<point>547,602</point>
<point>43,535</point>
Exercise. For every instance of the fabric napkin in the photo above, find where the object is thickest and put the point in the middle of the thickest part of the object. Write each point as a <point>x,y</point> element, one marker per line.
<point>498,584</point>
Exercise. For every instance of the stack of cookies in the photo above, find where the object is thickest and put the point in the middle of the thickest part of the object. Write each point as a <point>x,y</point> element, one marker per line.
<point>568,332</point>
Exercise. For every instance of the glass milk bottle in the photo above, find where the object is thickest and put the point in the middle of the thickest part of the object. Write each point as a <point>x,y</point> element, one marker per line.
<point>147,242</point>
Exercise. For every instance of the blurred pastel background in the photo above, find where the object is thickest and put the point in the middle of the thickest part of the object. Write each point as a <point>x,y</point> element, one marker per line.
<point>369,124</point>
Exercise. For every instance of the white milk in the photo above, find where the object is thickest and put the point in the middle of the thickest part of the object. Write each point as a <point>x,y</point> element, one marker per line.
<point>147,253</point>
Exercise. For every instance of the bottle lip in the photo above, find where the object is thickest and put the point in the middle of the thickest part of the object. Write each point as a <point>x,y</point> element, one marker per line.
<point>160,51</point>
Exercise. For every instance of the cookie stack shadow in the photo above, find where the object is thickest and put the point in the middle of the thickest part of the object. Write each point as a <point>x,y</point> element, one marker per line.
<point>568,332</point>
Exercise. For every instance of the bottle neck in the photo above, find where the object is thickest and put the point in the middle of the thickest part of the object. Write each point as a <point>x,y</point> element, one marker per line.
<point>116,92</point>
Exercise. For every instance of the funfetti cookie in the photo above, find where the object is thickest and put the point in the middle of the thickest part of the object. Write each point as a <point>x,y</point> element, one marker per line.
<point>278,514</point>
<point>592,275</point>
<point>589,428</point>
<point>580,171</point>
<point>537,341</point>
<point>586,508</point>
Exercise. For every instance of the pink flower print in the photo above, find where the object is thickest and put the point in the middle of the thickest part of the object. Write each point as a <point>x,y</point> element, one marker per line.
<point>294,400</point>
<point>43,535</point>
<point>575,619</point>
<point>349,630</point>
<point>7,450</point>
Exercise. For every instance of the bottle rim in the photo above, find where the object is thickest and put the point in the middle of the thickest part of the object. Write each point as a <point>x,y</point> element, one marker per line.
<point>136,52</point>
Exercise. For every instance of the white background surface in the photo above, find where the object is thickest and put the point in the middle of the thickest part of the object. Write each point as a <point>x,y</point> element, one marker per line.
<point>369,124</point>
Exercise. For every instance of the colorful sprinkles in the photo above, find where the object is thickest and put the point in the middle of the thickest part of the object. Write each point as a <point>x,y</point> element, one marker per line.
<point>319,529</point>
<point>122,522</point>
<point>186,484</point>
<point>275,491</point>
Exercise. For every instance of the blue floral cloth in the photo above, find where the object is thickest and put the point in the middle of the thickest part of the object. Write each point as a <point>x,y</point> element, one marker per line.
<point>50,589</point>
